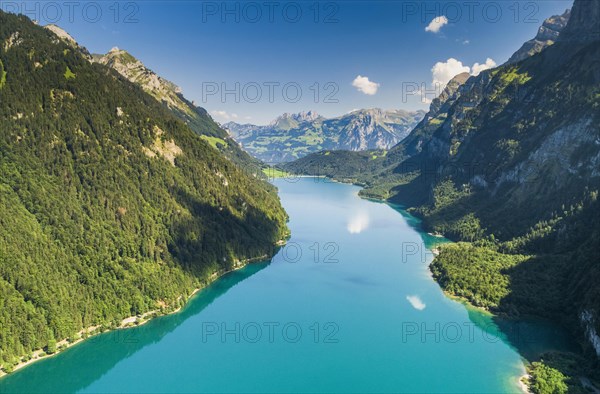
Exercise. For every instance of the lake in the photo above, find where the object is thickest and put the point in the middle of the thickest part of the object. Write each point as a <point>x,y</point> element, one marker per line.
<point>348,305</point>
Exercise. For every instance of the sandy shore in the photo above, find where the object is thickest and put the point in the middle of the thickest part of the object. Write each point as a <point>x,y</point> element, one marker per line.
<point>436,235</point>
<point>62,345</point>
<point>131,321</point>
<point>522,385</point>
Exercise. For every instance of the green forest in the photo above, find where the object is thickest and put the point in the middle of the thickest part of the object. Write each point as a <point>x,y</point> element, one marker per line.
<point>110,205</point>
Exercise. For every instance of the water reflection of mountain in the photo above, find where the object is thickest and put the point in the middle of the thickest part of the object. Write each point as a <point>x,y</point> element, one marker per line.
<point>80,366</point>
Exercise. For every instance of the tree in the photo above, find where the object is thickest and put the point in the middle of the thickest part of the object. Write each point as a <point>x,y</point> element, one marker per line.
<point>51,347</point>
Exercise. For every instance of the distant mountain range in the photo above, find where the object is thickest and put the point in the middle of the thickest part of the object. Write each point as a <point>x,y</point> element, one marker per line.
<point>292,136</point>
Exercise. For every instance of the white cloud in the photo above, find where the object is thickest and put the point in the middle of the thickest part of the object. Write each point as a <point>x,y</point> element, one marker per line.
<point>436,24</point>
<point>364,85</point>
<point>223,115</point>
<point>443,72</point>
<point>466,42</point>
<point>358,224</point>
<point>478,68</point>
<point>416,302</point>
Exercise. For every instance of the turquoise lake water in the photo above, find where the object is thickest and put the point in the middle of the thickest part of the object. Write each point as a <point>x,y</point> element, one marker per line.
<point>347,306</point>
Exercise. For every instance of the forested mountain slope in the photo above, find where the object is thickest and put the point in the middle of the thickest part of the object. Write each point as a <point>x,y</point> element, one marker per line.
<point>110,205</point>
<point>171,96</point>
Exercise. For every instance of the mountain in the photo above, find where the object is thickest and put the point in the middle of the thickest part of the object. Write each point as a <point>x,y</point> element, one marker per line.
<point>583,25</point>
<point>292,136</point>
<point>438,112</point>
<point>171,96</point>
<point>547,34</point>
<point>135,71</point>
<point>511,169</point>
<point>110,204</point>
<point>292,121</point>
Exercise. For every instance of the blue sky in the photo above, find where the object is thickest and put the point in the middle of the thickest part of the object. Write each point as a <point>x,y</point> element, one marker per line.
<point>287,51</point>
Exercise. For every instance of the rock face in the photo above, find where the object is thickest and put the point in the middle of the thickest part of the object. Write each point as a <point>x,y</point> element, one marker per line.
<point>63,35</point>
<point>587,319</point>
<point>68,39</point>
<point>438,112</point>
<point>292,136</point>
<point>547,35</point>
<point>448,94</point>
<point>372,128</point>
<point>584,24</point>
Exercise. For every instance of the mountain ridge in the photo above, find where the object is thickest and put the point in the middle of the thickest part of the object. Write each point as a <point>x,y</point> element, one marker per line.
<point>291,136</point>
<point>547,35</point>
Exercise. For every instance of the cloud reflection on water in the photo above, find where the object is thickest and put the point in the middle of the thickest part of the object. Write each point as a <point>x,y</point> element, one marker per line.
<point>358,224</point>
<point>416,302</point>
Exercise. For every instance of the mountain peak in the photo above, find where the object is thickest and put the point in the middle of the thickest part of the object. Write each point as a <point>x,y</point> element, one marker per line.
<point>371,111</point>
<point>120,56</point>
<point>61,33</point>
<point>460,78</point>
<point>68,39</point>
<point>304,116</point>
<point>547,34</point>
<point>552,26</point>
<point>288,120</point>
<point>448,93</point>
<point>307,116</point>
<point>134,70</point>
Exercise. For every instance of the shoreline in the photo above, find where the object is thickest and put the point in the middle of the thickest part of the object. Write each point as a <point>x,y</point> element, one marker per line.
<point>131,321</point>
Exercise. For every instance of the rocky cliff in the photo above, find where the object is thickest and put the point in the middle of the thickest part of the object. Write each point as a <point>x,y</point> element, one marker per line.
<point>547,35</point>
